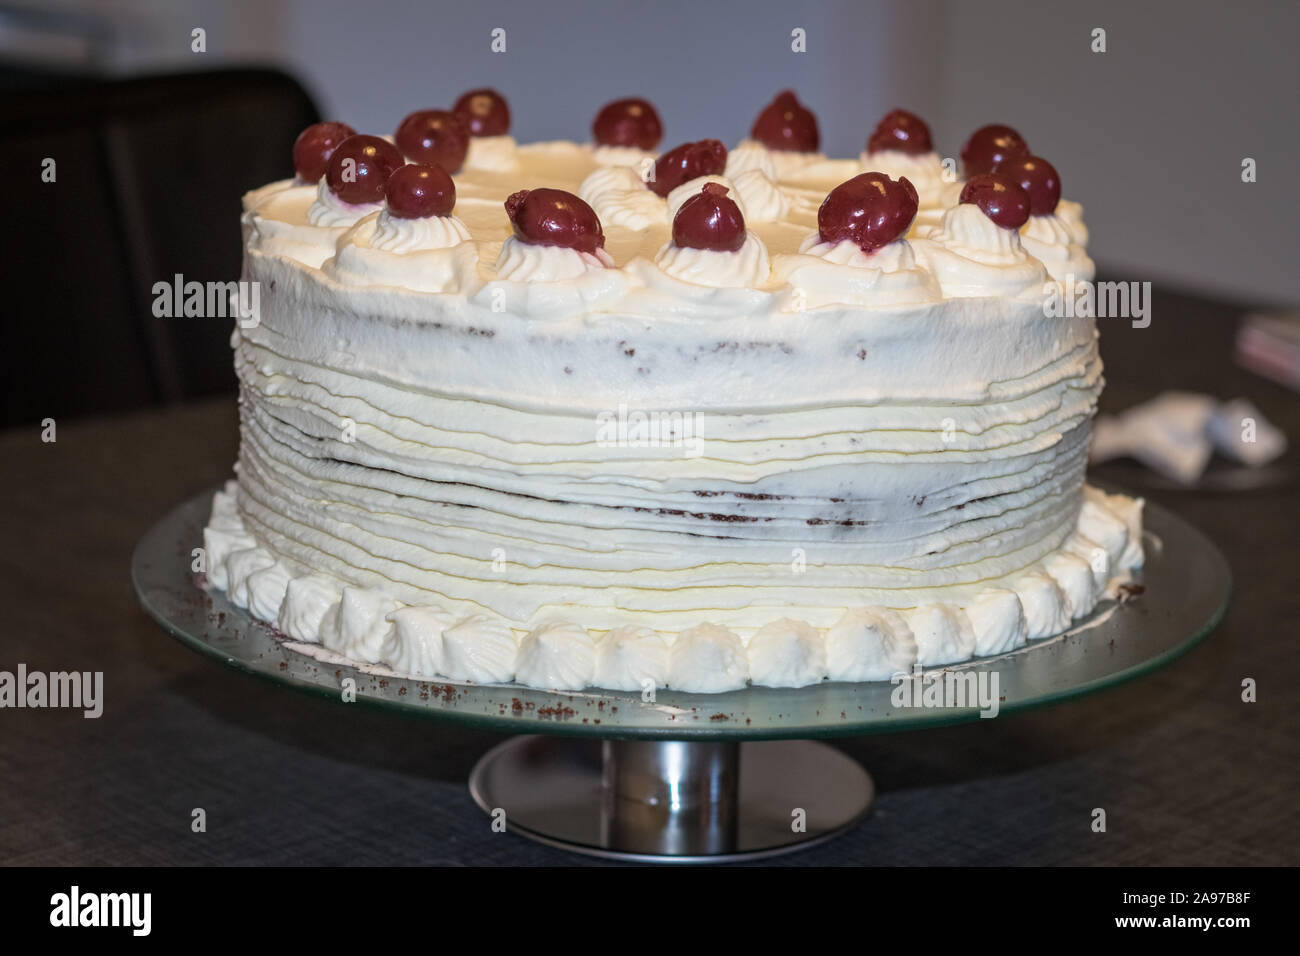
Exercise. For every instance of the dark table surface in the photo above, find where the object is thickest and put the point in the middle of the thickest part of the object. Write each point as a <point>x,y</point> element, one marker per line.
<point>1187,772</point>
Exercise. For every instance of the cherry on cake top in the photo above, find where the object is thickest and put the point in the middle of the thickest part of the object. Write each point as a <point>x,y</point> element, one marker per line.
<point>314,146</point>
<point>988,146</point>
<point>418,191</point>
<point>708,157</point>
<point>901,132</point>
<point>1038,178</point>
<point>709,220</point>
<point>359,168</point>
<point>870,209</point>
<point>485,112</point>
<point>998,197</point>
<point>439,137</point>
<point>553,217</point>
<point>786,124</point>
<point>630,122</point>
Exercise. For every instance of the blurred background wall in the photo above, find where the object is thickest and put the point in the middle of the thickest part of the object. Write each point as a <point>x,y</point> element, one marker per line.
<point>1149,135</point>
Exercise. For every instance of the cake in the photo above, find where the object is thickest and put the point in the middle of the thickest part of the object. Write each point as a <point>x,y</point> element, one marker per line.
<point>591,414</point>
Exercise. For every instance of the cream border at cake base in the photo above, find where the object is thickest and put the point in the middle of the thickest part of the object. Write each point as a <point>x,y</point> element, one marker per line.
<point>867,643</point>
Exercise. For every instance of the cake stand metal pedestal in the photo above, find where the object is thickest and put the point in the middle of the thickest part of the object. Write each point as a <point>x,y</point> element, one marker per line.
<point>676,801</point>
<point>697,777</point>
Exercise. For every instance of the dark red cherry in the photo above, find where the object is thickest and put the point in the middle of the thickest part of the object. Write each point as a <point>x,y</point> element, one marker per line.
<point>786,124</point>
<point>688,161</point>
<point>1037,177</point>
<point>902,132</point>
<point>630,122</point>
<point>870,209</point>
<point>710,220</point>
<point>988,146</point>
<point>436,137</point>
<point>485,112</point>
<point>552,217</point>
<point>1000,197</point>
<point>313,147</point>
<point>359,168</point>
<point>417,192</point>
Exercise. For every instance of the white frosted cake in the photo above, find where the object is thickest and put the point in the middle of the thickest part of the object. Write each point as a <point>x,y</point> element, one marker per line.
<point>580,414</point>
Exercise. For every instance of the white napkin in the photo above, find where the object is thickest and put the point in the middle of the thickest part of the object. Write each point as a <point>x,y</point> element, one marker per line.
<point>1175,433</point>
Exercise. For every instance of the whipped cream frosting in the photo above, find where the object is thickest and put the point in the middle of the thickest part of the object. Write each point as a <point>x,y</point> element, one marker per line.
<point>631,658</point>
<point>279,224</point>
<point>1051,240</point>
<point>840,273</point>
<point>1071,213</point>
<point>747,266</point>
<point>393,234</point>
<point>494,154</point>
<point>786,164</point>
<point>864,643</point>
<point>440,466</point>
<point>971,255</point>
<point>748,156</point>
<point>638,159</point>
<point>259,196</point>
<point>868,644</point>
<point>526,262</point>
<point>329,210</point>
<point>433,254</point>
<point>619,196</point>
<point>759,198</point>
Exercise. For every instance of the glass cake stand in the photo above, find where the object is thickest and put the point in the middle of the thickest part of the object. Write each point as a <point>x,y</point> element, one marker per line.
<point>696,777</point>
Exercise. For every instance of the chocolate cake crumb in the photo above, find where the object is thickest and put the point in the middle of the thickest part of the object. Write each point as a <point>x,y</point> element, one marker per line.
<point>1128,592</point>
<point>556,710</point>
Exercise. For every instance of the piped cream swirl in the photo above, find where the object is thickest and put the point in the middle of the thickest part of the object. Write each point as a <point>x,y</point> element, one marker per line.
<point>1050,239</point>
<point>433,254</point>
<point>497,154</point>
<point>747,266</point>
<point>330,210</point>
<point>971,255</point>
<point>529,262</point>
<point>840,273</point>
<point>620,198</point>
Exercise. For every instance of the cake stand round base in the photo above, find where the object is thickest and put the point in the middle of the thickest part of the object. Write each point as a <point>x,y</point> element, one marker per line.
<point>697,777</point>
<point>671,801</point>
